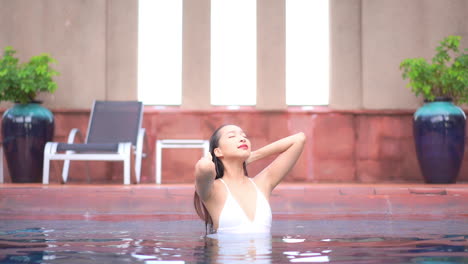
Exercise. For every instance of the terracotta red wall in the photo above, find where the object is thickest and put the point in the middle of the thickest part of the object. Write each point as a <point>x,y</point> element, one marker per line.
<point>342,146</point>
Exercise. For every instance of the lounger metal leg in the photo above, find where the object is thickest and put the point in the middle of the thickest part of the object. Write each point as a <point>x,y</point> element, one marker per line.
<point>137,167</point>
<point>139,154</point>
<point>66,166</point>
<point>45,171</point>
<point>126,171</point>
<point>127,152</point>
<point>206,147</point>
<point>46,164</point>
<point>158,161</point>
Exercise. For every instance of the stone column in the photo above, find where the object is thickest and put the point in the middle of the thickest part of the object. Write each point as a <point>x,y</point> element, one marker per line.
<point>196,54</point>
<point>72,32</point>
<point>345,54</point>
<point>393,30</point>
<point>122,50</point>
<point>271,54</point>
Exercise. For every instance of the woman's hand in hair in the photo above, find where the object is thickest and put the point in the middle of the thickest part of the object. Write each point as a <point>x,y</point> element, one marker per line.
<point>277,147</point>
<point>289,150</point>
<point>205,174</point>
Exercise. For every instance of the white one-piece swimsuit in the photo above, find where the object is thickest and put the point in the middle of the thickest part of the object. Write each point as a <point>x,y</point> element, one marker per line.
<point>234,220</point>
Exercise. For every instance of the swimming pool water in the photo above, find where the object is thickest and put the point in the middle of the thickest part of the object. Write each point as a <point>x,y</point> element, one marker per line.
<point>183,241</point>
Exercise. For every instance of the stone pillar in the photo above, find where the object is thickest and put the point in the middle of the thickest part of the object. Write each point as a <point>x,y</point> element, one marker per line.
<point>196,54</point>
<point>394,30</point>
<point>72,32</point>
<point>271,54</point>
<point>345,54</point>
<point>391,31</point>
<point>121,50</point>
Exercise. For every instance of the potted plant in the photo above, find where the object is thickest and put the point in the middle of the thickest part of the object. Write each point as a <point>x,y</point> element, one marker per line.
<point>26,126</point>
<point>439,125</point>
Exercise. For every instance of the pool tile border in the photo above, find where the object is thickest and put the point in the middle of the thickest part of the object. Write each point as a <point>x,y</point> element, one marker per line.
<point>311,200</point>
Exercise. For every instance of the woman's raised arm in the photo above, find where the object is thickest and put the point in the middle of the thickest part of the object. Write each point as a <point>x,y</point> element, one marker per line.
<point>204,176</point>
<point>289,150</point>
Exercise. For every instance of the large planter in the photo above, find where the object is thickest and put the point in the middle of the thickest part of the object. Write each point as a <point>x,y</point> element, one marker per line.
<point>26,128</point>
<point>439,135</point>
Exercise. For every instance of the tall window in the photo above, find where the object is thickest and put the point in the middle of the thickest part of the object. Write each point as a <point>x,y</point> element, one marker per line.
<point>233,52</point>
<point>160,52</point>
<point>307,52</point>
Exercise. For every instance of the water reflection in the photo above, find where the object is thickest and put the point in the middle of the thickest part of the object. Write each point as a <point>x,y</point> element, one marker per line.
<point>25,240</point>
<point>179,242</point>
<point>237,248</point>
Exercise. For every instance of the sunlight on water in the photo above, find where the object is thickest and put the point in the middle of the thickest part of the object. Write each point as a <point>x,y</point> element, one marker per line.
<point>292,241</point>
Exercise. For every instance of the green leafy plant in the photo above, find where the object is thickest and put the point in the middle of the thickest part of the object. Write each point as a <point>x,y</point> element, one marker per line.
<point>446,76</point>
<point>22,82</point>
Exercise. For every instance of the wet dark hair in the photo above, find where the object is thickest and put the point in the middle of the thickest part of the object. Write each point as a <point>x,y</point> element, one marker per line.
<point>200,208</point>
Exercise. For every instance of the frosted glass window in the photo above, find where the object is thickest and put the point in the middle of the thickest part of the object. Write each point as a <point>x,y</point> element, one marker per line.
<point>233,52</point>
<point>307,52</point>
<point>160,52</point>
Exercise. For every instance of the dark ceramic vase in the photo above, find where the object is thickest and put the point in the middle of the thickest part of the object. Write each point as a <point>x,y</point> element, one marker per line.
<point>26,128</point>
<point>439,135</point>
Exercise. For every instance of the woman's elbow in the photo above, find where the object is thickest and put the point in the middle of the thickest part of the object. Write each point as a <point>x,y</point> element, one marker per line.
<point>204,172</point>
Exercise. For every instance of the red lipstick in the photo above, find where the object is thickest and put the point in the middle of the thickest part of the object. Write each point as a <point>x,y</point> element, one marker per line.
<point>243,146</point>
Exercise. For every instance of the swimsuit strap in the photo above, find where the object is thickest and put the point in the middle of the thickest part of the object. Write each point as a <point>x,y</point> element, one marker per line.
<point>227,188</point>
<point>229,192</point>
<point>255,185</point>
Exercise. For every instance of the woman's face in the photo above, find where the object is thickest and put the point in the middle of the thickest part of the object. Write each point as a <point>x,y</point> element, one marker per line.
<point>233,143</point>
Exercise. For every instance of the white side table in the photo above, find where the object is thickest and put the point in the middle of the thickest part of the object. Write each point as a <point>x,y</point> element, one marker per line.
<point>176,143</point>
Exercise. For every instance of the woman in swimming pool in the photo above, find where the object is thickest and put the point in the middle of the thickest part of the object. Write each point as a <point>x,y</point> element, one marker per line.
<point>225,197</point>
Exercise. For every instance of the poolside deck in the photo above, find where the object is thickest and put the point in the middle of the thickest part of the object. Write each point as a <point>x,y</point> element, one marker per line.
<point>37,201</point>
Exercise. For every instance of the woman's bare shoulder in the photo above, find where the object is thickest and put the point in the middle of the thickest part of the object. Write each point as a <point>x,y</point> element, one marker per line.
<point>217,191</point>
<point>262,184</point>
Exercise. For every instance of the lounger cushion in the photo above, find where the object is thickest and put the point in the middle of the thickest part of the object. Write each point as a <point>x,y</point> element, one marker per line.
<point>89,147</point>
